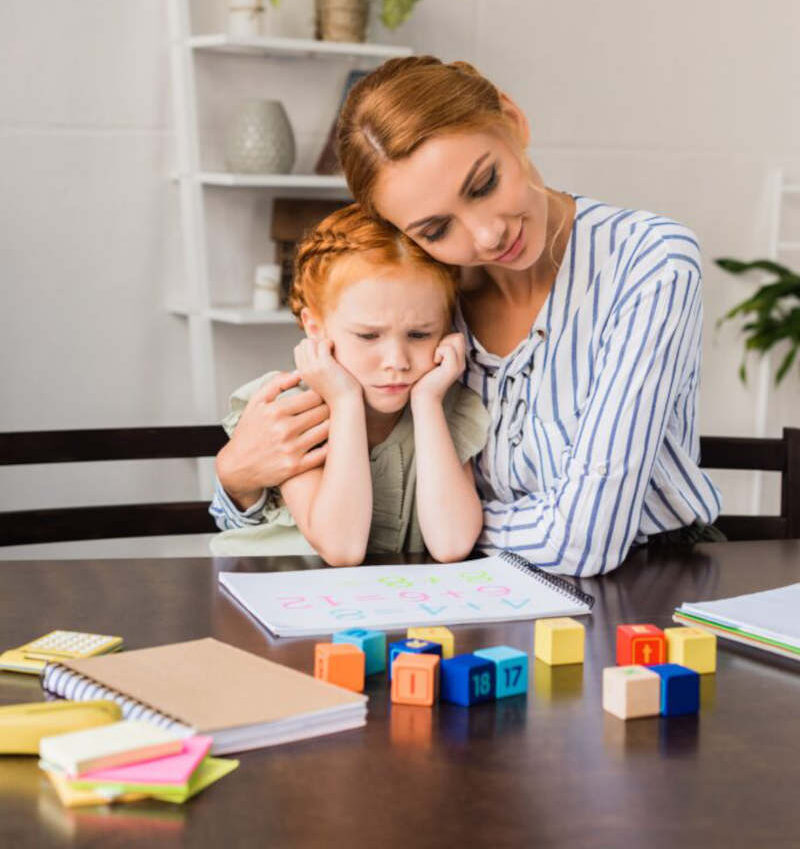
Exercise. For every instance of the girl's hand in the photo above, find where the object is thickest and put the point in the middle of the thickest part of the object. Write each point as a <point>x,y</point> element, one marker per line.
<point>449,358</point>
<point>320,370</point>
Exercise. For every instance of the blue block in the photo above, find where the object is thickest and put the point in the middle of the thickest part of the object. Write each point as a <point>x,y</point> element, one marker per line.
<point>467,680</point>
<point>412,646</point>
<point>511,670</point>
<point>680,689</point>
<point>372,643</point>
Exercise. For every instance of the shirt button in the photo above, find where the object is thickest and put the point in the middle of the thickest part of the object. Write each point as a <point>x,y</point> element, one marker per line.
<point>542,334</point>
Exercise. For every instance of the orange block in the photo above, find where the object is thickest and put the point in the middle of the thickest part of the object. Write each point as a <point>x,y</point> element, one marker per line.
<point>415,679</point>
<point>341,664</point>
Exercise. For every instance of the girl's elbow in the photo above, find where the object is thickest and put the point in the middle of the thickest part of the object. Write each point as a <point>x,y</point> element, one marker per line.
<point>342,555</point>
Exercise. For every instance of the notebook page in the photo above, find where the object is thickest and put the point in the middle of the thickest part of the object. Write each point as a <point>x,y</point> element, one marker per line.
<point>773,613</point>
<point>320,601</point>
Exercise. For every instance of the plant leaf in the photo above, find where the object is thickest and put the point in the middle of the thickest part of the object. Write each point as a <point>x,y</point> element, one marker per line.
<point>786,364</point>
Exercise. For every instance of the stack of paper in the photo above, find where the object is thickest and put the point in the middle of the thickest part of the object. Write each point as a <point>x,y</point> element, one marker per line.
<point>131,761</point>
<point>768,620</point>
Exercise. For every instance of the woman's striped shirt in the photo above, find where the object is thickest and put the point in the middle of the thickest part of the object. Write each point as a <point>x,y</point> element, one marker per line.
<point>594,442</point>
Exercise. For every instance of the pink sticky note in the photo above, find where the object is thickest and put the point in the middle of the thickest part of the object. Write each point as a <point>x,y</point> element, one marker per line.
<point>173,769</point>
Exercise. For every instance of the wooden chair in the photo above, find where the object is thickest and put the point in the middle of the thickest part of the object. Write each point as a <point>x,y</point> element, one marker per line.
<point>770,455</point>
<point>191,517</point>
<point>119,520</point>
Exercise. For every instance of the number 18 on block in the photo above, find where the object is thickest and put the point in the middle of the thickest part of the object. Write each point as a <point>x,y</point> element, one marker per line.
<point>467,679</point>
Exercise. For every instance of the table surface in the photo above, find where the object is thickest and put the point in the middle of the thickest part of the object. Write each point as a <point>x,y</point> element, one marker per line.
<point>546,769</point>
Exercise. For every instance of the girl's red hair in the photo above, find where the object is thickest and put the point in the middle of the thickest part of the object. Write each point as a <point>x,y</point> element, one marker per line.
<point>320,262</point>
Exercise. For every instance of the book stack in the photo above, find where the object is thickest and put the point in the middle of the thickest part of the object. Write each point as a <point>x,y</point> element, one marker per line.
<point>767,620</point>
<point>128,761</point>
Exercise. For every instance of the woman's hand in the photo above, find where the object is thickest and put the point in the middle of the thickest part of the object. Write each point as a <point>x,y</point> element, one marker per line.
<point>320,370</point>
<point>274,440</point>
<point>449,358</point>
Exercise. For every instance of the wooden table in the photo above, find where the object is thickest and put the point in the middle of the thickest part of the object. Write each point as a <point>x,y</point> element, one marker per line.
<point>549,769</point>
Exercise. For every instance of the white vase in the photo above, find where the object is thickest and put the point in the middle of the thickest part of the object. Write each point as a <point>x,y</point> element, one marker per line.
<point>260,139</point>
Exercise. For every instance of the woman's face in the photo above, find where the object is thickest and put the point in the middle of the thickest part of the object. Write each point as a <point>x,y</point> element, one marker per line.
<point>385,327</point>
<point>467,199</point>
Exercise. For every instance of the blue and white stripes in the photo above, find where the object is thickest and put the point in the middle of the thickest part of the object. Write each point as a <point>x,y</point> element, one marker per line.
<point>594,443</point>
<point>227,515</point>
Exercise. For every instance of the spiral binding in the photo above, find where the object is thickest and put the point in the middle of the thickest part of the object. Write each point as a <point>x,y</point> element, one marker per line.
<point>60,681</point>
<point>561,585</point>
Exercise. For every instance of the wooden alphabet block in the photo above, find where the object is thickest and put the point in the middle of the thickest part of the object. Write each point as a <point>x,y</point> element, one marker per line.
<point>372,643</point>
<point>631,691</point>
<point>414,646</point>
<point>693,648</point>
<point>467,680</point>
<point>341,664</point>
<point>680,689</point>
<point>437,634</point>
<point>415,679</point>
<point>511,669</point>
<point>644,645</point>
<point>557,641</point>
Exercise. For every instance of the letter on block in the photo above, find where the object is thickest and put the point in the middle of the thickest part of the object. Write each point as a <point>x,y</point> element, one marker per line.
<point>415,679</point>
<point>437,634</point>
<point>557,641</point>
<point>412,647</point>
<point>693,648</point>
<point>341,664</point>
<point>631,691</point>
<point>644,645</point>
<point>372,643</point>
<point>467,680</point>
<point>510,667</point>
<point>680,689</point>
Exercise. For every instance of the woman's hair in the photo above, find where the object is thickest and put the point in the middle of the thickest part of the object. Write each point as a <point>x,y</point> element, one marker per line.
<point>392,111</point>
<point>321,261</point>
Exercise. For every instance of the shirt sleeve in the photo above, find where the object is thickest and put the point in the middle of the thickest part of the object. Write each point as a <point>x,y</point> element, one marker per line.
<point>586,522</point>
<point>227,515</point>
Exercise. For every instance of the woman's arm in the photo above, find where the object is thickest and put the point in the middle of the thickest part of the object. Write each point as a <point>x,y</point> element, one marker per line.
<point>586,522</point>
<point>448,507</point>
<point>275,439</point>
<point>333,505</point>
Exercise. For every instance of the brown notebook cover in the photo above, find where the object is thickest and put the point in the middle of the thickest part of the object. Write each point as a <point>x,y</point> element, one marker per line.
<point>212,686</point>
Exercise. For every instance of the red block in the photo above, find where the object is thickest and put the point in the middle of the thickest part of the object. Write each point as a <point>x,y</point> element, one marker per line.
<point>644,645</point>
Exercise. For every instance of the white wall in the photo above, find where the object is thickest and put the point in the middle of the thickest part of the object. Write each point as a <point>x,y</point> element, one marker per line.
<point>680,109</point>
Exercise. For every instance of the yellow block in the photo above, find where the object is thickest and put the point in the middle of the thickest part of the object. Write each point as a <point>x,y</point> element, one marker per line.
<point>692,647</point>
<point>557,641</point>
<point>437,634</point>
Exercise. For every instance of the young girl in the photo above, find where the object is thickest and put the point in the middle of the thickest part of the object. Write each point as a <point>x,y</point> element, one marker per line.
<point>397,477</point>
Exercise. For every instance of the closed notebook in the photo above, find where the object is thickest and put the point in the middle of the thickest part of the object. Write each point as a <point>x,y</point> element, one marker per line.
<point>241,700</point>
<point>111,745</point>
<point>173,771</point>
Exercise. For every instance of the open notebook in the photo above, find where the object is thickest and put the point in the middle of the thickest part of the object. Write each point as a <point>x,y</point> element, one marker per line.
<point>768,620</point>
<point>242,701</point>
<point>319,601</point>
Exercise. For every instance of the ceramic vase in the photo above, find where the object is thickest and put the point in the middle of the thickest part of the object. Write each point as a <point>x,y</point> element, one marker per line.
<point>260,139</point>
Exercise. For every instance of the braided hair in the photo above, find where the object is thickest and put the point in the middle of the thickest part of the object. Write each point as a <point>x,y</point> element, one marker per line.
<point>347,234</point>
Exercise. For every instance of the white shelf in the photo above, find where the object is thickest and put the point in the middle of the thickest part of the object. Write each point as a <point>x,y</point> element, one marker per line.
<point>240,315</point>
<point>299,47</point>
<point>273,181</point>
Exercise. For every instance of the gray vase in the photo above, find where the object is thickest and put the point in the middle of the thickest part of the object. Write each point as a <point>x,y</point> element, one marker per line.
<point>260,139</point>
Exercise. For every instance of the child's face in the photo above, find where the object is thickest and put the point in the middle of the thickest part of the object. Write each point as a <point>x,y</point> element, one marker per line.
<point>385,328</point>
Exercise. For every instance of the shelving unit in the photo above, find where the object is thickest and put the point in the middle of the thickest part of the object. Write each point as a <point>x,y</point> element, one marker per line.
<point>196,303</point>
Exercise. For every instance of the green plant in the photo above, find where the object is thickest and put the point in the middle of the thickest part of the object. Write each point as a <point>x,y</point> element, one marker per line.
<point>396,12</point>
<point>772,313</point>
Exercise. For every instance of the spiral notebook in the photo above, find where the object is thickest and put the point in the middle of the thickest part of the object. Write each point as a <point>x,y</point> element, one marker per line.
<point>499,588</point>
<point>241,700</point>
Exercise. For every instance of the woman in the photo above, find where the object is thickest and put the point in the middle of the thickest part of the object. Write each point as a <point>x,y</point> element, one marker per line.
<point>583,327</point>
